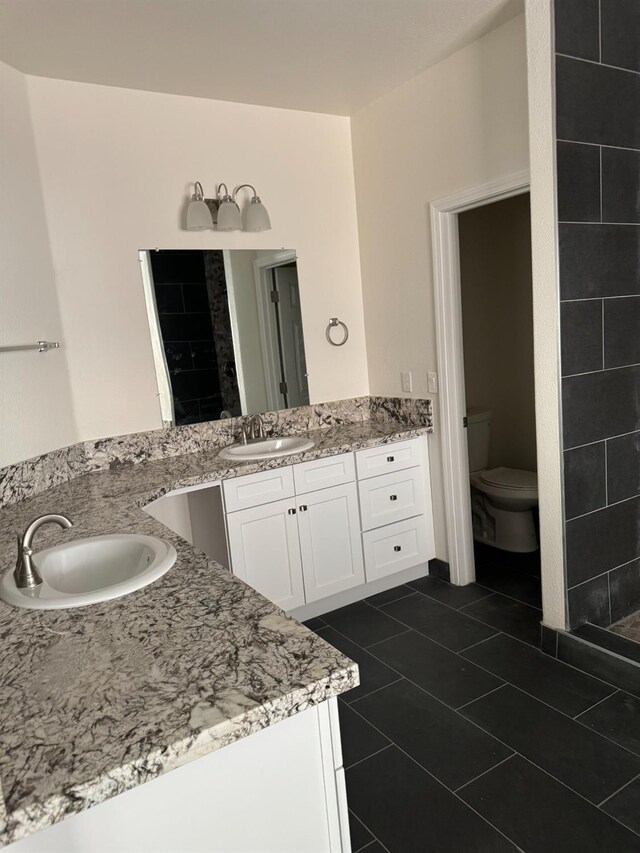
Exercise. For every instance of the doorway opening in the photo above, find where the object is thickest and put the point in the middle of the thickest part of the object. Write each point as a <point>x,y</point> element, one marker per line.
<point>496,301</point>
<point>445,227</point>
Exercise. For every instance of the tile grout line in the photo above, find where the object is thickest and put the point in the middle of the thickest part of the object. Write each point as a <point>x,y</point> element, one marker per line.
<point>601,64</point>
<point>373,692</point>
<point>435,778</point>
<point>393,600</point>
<point>595,144</point>
<point>484,772</point>
<point>391,637</point>
<point>600,369</point>
<point>621,788</point>
<point>596,222</point>
<point>377,752</point>
<point>400,675</point>
<point>602,508</point>
<point>549,774</point>
<point>488,693</point>
<point>506,745</point>
<point>600,31</point>
<point>374,837</point>
<point>479,643</point>
<point>490,734</point>
<point>510,597</point>
<point>558,711</point>
<point>595,705</point>
<point>601,201</point>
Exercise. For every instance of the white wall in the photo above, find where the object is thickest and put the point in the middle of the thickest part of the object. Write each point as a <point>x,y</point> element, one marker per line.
<point>460,124</point>
<point>497,325</point>
<point>117,167</point>
<point>36,412</point>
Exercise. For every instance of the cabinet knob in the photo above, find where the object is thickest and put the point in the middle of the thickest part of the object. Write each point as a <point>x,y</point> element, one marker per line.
<point>393,497</point>
<point>291,511</point>
<point>303,508</point>
<point>391,458</point>
<point>397,547</point>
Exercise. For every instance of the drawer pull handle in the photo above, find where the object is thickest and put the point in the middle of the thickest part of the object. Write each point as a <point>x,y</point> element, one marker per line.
<point>393,497</point>
<point>291,511</point>
<point>391,458</point>
<point>397,547</point>
<point>303,508</point>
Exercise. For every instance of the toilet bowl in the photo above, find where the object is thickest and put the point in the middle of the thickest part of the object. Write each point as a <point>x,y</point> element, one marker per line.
<point>502,499</point>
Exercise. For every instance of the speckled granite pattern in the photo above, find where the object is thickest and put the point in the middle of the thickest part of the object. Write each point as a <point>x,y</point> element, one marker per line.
<point>628,627</point>
<point>28,478</point>
<point>98,700</point>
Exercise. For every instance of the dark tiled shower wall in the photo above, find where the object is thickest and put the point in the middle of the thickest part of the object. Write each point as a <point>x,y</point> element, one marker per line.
<point>598,162</point>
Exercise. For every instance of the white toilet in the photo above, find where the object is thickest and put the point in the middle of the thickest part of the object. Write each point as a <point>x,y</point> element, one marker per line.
<point>502,499</point>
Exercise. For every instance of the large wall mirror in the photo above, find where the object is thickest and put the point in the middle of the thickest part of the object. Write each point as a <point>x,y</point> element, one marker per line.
<point>226,332</point>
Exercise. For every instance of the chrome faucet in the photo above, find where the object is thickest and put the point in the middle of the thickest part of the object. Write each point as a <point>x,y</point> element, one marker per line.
<point>255,427</point>
<point>25,573</point>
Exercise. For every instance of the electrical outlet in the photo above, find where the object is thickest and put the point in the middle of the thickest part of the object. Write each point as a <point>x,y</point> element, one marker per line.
<point>407,381</point>
<point>432,383</point>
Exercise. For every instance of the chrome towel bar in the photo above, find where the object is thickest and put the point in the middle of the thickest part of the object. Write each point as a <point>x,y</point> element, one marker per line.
<point>41,346</point>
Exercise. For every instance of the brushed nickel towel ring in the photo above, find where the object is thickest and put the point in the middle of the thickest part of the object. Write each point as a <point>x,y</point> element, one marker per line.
<point>333,322</point>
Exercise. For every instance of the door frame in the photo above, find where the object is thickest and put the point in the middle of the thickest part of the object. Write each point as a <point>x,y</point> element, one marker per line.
<point>448,311</point>
<point>268,335</point>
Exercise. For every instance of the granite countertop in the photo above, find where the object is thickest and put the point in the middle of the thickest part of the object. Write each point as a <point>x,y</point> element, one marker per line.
<point>97,700</point>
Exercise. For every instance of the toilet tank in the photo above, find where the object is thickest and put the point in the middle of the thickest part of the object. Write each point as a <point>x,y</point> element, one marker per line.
<point>478,434</point>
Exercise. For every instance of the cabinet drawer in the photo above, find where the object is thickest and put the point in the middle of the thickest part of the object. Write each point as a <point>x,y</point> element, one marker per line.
<point>388,457</point>
<point>256,489</point>
<point>396,547</point>
<point>324,473</point>
<point>391,497</point>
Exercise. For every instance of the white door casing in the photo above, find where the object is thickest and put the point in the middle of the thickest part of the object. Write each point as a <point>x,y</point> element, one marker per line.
<point>448,305</point>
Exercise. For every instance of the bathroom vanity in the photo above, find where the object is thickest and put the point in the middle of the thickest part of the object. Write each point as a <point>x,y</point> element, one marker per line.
<point>202,673</point>
<point>313,536</point>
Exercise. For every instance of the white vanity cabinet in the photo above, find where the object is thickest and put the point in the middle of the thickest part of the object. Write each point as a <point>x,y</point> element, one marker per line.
<point>306,547</point>
<point>329,530</point>
<point>265,552</point>
<point>324,531</point>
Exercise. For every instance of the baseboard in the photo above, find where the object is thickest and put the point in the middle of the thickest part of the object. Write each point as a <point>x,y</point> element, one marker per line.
<point>599,661</point>
<point>440,569</point>
<point>357,593</point>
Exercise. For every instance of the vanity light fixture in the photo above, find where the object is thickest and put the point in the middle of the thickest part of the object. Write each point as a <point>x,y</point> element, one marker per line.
<point>198,214</point>
<point>223,212</point>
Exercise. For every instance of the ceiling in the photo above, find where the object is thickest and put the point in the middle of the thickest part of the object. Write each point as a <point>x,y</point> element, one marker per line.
<point>329,56</point>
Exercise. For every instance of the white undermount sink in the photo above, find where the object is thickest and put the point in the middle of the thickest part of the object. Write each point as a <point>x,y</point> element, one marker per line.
<point>87,571</point>
<point>266,448</point>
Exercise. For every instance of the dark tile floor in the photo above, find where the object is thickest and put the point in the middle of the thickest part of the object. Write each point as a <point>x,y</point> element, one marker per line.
<point>463,736</point>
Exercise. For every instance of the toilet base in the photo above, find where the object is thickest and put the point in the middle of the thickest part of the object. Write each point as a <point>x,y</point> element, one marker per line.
<point>503,529</point>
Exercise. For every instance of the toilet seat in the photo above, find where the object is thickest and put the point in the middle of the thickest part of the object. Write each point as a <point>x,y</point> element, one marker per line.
<point>510,478</point>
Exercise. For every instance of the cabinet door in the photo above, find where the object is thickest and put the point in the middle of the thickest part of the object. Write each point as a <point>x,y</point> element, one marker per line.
<point>329,529</point>
<point>265,552</point>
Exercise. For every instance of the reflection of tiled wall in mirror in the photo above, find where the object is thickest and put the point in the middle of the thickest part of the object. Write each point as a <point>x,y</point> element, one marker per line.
<point>187,325</point>
<point>222,333</point>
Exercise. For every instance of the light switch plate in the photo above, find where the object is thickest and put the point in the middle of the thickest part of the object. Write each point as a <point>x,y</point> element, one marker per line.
<point>432,383</point>
<point>407,381</point>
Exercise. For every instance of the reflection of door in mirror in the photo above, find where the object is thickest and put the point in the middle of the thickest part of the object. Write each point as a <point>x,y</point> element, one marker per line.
<point>293,367</point>
<point>226,332</point>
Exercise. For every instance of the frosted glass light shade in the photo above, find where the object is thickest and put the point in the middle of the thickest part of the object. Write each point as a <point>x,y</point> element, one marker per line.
<point>198,216</point>
<point>257,218</point>
<point>229,218</point>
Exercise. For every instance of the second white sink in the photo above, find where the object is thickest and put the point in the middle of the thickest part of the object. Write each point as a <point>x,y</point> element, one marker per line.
<point>87,571</point>
<point>266,448</point>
